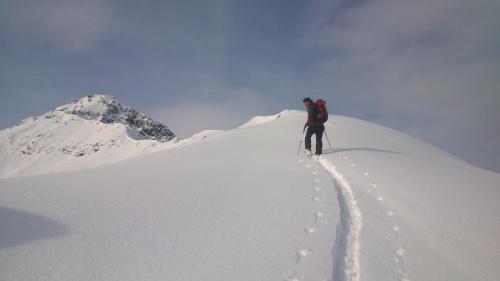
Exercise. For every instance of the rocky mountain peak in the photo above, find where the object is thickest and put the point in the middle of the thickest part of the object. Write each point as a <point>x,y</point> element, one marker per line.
<point>107,109</point>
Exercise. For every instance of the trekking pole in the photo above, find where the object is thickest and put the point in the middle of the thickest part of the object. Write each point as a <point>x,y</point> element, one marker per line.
<point>300,144</point>
<point>326,135</point>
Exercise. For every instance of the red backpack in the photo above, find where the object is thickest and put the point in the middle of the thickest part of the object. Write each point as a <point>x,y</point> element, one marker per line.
<point>323,115</point>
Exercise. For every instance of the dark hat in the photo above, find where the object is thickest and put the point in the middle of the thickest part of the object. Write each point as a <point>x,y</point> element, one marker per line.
<point>307,99</point>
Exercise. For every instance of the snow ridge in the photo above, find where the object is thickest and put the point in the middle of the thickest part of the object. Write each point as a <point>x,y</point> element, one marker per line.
<point>347,244</point>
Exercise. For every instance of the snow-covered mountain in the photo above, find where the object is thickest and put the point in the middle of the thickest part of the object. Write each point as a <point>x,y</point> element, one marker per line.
<point>242,206</point>
<point>91,131</point>
<point>107,110</point>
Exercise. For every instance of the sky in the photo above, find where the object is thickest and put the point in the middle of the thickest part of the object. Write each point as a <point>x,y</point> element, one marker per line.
<point>430,68</point>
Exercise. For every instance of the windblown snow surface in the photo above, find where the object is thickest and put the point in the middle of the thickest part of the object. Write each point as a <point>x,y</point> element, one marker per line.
<point>242,206</point>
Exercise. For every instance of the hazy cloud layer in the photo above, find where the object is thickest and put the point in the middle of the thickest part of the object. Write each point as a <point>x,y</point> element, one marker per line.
<point>71,25</point>
<point>216,107</point>
<point>429,68</point>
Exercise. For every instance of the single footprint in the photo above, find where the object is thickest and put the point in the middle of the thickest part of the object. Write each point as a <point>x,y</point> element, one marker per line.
<point>315,173</point>
<point>290,276</point>
<point>318,216</point>
<point>373,185</point>
<point>365,173</point>
<point>316,189</point>
<point>395,228</point>
<point>300,160</point>
<point>400,252</point>
<point>308,166</point>
<point>380,198</point>
<point>390,213</point>
<point>315,199</point>
<point>309,230</point>
<point>346,158</point>
<point>317,181</point>
<point>302,253</point>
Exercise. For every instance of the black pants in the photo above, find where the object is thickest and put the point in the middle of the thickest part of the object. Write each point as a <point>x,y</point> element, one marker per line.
<point>318,131</point>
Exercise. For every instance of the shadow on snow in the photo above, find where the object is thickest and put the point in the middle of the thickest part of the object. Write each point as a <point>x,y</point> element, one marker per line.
<point>18,227</point>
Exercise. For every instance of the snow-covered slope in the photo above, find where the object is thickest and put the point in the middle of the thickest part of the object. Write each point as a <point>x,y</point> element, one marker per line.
<point>241,206</point>
<point>257,120</point>
<point>89,132</point>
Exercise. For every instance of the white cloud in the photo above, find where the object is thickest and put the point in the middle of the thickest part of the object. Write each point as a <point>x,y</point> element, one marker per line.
<point>428,67</point>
